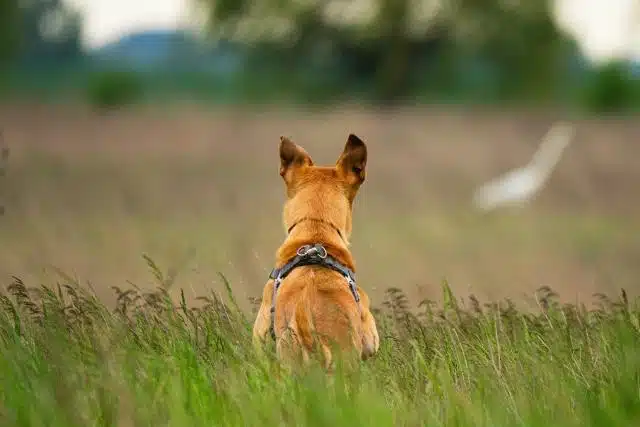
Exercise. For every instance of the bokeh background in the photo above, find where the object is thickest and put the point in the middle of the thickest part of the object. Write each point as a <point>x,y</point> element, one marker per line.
<point>152,128</point>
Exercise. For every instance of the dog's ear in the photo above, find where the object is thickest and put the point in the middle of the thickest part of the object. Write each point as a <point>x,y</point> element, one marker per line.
<point>353,161</point>
<point>292,156</point>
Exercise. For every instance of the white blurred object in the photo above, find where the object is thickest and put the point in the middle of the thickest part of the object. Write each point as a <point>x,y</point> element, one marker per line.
<point>519,186</point>
<point>604,29</point>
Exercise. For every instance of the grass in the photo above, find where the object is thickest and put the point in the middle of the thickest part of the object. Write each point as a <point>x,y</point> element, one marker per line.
<point>67,360</point>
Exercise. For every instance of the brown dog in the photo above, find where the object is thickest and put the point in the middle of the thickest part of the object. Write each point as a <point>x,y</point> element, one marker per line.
<point>316,303</point>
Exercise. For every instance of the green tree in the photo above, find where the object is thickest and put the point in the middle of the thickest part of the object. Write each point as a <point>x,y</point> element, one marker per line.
<point>38,30</point>
<point>9,29</point>
<point>517,38</point>
<point>50,31</point>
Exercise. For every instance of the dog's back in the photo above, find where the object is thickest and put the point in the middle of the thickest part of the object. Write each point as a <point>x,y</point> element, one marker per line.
<point>315,311</point>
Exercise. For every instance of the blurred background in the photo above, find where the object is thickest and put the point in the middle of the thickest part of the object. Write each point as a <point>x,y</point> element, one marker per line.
<point>152,127</point>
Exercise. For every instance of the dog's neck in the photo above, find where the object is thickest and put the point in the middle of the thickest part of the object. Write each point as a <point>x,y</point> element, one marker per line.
<point>310,231</point>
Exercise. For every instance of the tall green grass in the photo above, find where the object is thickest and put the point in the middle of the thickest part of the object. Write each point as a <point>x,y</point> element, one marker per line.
<point>67,360</point>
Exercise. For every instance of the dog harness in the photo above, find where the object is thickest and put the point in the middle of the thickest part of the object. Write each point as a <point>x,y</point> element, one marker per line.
<point>315,254</point>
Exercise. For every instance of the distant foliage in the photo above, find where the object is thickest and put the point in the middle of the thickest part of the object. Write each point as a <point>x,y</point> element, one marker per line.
<point>401,41</point>
<point>9,29</point>
<point>4,158</point>
<point>611,88</point>
<point>112,89</point>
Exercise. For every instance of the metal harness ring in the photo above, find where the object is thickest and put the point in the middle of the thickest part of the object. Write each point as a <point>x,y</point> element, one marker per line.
<point>309,250</point>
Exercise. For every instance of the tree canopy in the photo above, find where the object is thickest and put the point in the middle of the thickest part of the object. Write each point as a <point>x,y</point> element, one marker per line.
<point>389,40</point>
<point>38,30</point>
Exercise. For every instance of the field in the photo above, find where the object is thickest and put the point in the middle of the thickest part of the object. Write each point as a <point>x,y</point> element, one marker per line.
<point>197,190</point>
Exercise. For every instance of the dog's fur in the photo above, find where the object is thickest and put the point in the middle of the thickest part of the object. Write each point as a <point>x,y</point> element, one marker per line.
<point>315,308</point>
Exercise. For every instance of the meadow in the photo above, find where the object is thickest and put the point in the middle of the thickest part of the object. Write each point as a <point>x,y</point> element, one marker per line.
<point>69,361</point>
<point>133,242</point>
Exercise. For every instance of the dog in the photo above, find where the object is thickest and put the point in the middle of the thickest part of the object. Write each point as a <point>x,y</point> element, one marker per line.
<point>311,301</point>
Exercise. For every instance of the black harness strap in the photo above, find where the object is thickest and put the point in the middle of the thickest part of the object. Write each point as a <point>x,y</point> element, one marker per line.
<point>309,255</point>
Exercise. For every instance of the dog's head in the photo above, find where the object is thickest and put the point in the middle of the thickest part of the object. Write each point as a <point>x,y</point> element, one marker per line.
<point>324,193</point>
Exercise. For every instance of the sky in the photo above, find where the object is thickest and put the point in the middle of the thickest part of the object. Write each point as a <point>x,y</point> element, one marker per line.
<point>108,20</point>
<point>605,29</point>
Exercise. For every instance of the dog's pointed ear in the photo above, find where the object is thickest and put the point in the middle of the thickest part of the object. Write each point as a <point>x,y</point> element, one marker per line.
<point>292,156</point>
<point>353,161</point>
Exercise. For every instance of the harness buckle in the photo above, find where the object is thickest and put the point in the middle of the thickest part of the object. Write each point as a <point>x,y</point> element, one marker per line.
<point>312,250</point>
<point>277,281</point>
<point>352,287</point>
